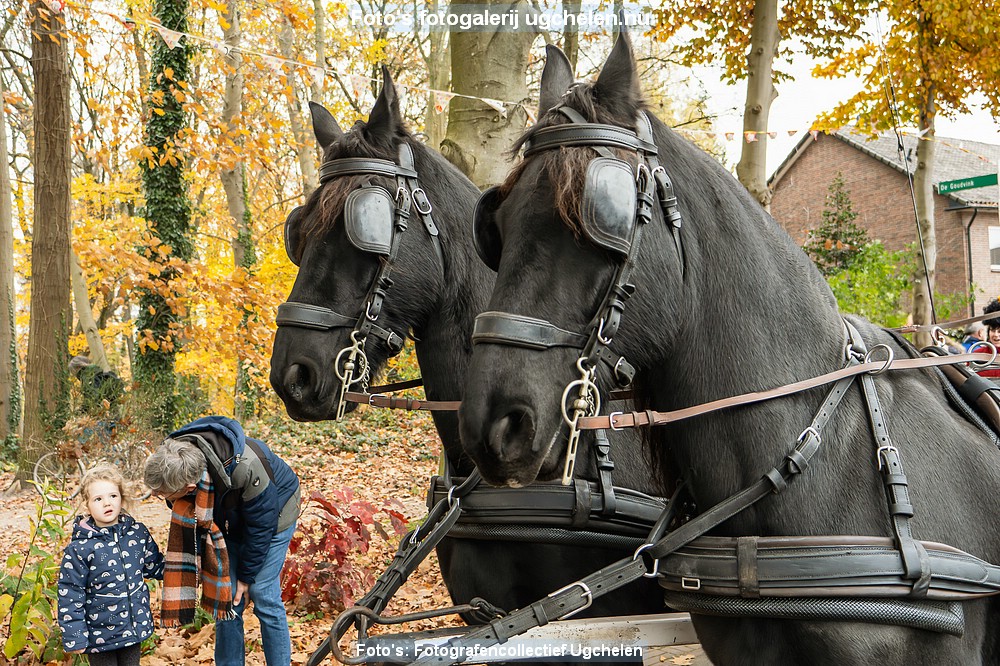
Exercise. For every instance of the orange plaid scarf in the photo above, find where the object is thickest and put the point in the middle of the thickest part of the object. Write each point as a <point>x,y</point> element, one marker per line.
<point>181,573</point>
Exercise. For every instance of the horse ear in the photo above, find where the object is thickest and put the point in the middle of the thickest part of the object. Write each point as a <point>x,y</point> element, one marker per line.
<point>618,82</point>
<point>557,76</point>
<point>385,118</point>
<point>325,126</point>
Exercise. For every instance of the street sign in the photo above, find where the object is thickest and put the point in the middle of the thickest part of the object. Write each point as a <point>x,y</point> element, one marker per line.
<point>967,183</point>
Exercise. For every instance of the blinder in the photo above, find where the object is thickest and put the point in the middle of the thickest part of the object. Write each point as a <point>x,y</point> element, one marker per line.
<point>368,213</point>
<point>607,211</point>
<point>293,234</point>
<point>485,233</point>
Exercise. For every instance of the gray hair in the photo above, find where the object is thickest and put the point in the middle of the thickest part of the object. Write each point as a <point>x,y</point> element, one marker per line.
<point>974,328</point>
<point>173,466</point>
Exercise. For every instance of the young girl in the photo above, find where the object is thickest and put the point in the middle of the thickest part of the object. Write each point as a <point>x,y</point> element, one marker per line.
<point>103,599</point>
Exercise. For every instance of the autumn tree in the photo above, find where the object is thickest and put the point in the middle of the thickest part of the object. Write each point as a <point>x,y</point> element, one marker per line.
<point>46,375</point>
<point>934,57</point>
<point>750,39</point>
<point>168,214</point>
<point>837,240</point>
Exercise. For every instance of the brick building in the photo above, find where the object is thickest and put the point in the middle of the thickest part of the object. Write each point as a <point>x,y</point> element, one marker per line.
<point>966,222</point>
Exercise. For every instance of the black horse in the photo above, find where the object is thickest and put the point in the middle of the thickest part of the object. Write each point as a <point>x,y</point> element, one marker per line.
<point>434,296</point>
<point>724,303</point>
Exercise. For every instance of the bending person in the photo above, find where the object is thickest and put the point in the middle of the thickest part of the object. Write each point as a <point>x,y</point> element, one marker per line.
<point>245,499</point>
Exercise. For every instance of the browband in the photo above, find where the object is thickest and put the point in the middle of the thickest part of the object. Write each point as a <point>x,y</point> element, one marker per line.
<point>586,135</point>
<point>350,166</point>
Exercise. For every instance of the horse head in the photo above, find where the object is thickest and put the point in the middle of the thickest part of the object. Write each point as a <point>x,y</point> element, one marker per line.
<point>368,243</point>
<point>590,247</point>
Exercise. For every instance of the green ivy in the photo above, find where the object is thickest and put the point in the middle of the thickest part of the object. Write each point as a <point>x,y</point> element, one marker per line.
<point>168,213</point>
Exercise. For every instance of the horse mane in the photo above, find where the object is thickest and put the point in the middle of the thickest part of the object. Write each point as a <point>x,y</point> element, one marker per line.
<point>566,168</point>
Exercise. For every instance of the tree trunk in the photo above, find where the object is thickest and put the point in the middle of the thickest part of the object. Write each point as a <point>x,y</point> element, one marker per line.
<point>46,375</point>
<point>168,214</point>
<point>487,65</point>
<point>85,314</point>
<point>571,36</point>
<point>438,74</point>
<point>923,182</point>
<point>304,141</point>
<point>764,37</point>
<point>10,384</point>
<point>233,183</point>
<point>319,21</point>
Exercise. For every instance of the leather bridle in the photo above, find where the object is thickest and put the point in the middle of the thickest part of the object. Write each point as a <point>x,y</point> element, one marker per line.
<point>581,398</point>
<point>351,363</point>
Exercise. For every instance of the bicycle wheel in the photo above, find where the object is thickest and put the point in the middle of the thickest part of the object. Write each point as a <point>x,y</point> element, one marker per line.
<point>57,476</point>
<point>130,459</point>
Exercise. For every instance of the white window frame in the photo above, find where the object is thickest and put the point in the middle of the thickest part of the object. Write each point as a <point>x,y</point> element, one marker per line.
<point>994,243</point>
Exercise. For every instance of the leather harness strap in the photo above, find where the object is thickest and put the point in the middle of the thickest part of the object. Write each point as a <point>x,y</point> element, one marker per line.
<point>828,566</point>
<point>618,420</point>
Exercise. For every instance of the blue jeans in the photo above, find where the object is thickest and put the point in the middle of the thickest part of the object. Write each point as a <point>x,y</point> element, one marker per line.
<point>230,648</point>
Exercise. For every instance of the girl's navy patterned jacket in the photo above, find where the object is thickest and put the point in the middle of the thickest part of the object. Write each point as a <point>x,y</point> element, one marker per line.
<point>103,599</point>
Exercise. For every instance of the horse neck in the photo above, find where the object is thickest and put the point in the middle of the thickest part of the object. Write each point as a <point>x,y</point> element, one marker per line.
<point>444,335</point>
<point>751,313</point>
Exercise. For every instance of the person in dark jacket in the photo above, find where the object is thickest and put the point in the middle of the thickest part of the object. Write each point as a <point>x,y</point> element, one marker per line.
<point>102,391</point>
<point>103,599</point>
<point>254,497</point>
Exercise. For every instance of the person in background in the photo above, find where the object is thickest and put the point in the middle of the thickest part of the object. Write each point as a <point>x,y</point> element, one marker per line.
<point>974,334</point>
<point>102,390</point>
<point>103,600</point>
<point>245,499</point>
<point>993,336</point>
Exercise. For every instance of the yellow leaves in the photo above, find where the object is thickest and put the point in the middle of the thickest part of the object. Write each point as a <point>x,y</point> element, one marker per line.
<point>158,111</point>
<point>224,24</point>
<point>168,73</point>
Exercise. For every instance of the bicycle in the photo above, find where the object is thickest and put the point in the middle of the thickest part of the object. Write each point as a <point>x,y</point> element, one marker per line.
<point>60,472</point>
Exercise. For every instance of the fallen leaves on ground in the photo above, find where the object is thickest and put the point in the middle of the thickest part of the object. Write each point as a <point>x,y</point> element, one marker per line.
<point>381,456</point>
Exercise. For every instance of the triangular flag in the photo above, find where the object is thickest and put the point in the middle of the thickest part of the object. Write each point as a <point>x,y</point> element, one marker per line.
<point>792,132</point>
<point>170,38</point>
<point>319,76</point>
<point>56,5</point>
<point>751,137</point>
<point>274,63</point>
<point>441,100</point>
<point>496,105</point>
<point>730,136</point>
<point>357,84</point>
<point>814,134</point>
<point>772,135</point>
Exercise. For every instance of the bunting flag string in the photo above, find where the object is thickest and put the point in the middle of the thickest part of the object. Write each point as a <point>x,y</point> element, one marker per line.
<point>439,99</point>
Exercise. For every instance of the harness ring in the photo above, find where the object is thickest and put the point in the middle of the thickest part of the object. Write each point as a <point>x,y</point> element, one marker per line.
<point>655,572</point>
<point>888,361</point>
<point>988,345</point>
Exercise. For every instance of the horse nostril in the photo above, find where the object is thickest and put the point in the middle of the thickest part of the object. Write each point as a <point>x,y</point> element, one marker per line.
<point>296,381</point>
<point>512,434</point>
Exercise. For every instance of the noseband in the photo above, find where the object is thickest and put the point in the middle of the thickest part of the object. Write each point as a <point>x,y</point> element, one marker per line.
<point>582,397</point>
<point>351,363</point>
